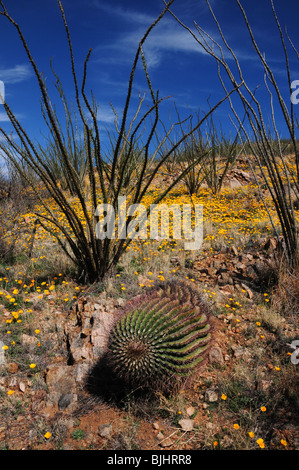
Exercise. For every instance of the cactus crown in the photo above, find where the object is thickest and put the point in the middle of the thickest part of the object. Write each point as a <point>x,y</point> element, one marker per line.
<point>161,337</point>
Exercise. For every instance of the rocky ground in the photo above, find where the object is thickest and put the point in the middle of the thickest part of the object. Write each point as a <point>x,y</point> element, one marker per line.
<point>55,393</point>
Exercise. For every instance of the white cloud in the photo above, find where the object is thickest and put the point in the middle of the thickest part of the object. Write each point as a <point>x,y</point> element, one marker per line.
<point>15,74</point>
<point>126,14</point>
<point>4,117</point>
<point>106,115</point>
<point>167,36</point>
<point>164,38</point>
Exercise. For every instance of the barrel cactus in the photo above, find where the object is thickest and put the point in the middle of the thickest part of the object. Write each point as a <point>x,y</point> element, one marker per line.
<point>162,337</point>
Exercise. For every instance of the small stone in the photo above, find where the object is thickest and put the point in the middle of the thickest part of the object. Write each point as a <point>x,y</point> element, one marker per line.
<point>190,411</point>
<point>156,426</point>
<point>186,424</point>
<point>22,387</point>
<point>105,430</point>
<point>215,356</point>
<point>164,441</point>
<point>120,302</point>
<point>211,396</point>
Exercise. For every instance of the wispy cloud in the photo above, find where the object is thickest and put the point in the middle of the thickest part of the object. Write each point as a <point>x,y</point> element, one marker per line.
<point>106,115</point>
<point>15,74</point>
<point>4,117</point>
<point>126,14</point>
<point>167,37</point>
<point>163,39</point>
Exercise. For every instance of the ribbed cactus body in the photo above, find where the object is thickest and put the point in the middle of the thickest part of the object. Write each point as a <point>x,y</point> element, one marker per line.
<point>164,335</point>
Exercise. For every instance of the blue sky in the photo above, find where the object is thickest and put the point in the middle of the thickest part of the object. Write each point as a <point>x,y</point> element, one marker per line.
<point>178,67</point>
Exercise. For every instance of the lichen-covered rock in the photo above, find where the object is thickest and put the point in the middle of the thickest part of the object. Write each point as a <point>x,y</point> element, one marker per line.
<point>88,334</point>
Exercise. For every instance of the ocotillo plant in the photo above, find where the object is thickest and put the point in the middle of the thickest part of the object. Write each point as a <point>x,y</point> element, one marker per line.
<point>265,145</point>
<point>107,178</point>
<point>162,337</point>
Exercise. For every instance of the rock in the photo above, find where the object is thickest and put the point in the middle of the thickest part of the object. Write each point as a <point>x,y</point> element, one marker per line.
<point>87,337</point>
<point>259,267</point>
<point>22,387</point>
<point>227,290</point>
<point>241,267</point>
<point>13,382</point>
<point>120,302</point>
<point>238,351</point>
<point>190,410</point>
<point>215,356</point>
<point>156,426</point>
<point>60,381</point>
<point>81,371</point>
<point>225,279</point>
<point>28,341</point>
<point>216,263</point>
<point>211,396</point>
<point>238,178</point>
<point>186,424</point>
<point>32,434</point>
<point>250,271</point>
<point>248,290</point>
<point>66,400</point>
<point>80,351</point>
<point>12,367</point>
<point>165,441</point>
<point>271,244</point>
<point>105,430</point>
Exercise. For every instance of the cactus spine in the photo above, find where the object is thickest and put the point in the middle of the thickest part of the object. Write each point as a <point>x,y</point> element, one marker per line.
<point>162,337</point>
